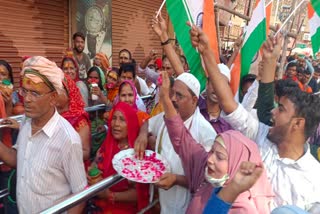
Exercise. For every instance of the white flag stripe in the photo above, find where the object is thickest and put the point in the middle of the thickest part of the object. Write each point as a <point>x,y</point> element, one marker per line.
<point>256,19</point>
<point>314,24</point>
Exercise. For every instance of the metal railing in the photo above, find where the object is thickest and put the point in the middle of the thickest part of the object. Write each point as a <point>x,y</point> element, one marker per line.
<point>89,193</point>
<point>83,195</point>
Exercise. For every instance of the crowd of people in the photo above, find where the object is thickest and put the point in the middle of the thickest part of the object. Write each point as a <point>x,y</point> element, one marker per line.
<point>253,152</point>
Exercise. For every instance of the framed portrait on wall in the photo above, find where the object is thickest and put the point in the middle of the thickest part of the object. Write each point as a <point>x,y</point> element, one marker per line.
<point>93,19</point>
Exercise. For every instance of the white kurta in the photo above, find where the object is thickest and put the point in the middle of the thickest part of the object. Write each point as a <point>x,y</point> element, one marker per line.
<point>294,182</point>
<point>176,199</point>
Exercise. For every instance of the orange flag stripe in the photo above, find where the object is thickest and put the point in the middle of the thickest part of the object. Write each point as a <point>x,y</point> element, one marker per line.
<point>209,27</point>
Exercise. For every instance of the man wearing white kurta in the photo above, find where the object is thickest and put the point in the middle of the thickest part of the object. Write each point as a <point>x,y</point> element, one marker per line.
<point>174,196</point>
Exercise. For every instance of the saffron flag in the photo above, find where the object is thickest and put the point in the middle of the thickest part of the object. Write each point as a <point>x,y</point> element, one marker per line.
<point>314,22</point>
<point>200,13</point>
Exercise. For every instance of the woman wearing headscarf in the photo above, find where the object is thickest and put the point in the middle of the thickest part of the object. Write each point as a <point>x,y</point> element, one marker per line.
<point>70,67</point>
<point>96,82</point>
<point>102,61</point>
<point>207,171</point>
<point>125,197</point>
<point>71,107</point>
<point>112,84</point>
<point>128,94</point>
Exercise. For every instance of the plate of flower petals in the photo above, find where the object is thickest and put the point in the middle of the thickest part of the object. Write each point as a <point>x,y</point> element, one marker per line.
<point>148,170</point>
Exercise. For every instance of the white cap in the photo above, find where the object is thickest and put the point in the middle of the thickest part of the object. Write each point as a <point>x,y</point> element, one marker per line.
<point>225,71</point>
<point>191,82</point>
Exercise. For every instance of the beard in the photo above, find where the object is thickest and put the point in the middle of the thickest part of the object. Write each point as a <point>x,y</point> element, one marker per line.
<point>78,49</point>
<point>278,134</point>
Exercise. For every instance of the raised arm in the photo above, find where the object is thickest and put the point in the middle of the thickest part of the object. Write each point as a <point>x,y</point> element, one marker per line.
<point>159,26</point>
<point>219,83</point>
<point>265,102</point>
<point>193,155</point>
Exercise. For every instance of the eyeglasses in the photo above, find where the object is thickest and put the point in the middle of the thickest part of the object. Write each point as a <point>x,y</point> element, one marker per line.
<point>33,95</point>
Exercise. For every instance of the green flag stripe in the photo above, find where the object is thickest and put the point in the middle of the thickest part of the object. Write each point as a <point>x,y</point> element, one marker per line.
<point>187,11</point>
<point>178,17</point>
<point>316,6</point>
<point>251,47</point>
<point>315,41</point>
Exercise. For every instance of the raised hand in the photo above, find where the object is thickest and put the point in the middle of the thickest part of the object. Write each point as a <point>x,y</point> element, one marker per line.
<point>152,54</point>
<point>246,176</point>
<point>159,26</point>
<point>165,85</point>
<point>271,49</point>
<point>199,39</point>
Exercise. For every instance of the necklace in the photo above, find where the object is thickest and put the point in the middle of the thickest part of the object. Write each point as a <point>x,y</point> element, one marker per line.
<point>123,147</point>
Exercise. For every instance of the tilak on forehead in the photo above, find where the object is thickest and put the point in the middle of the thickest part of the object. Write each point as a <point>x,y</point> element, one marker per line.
<point>68,64</point>
<point>33,77</point>
<point>39,69</point>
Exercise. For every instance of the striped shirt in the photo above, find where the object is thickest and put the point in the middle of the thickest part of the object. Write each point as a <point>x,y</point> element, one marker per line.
<point>49,165</point>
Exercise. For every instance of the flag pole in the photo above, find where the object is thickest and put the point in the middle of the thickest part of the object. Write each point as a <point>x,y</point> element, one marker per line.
<point>292,13</point>
<point>159,11</point>
<point>276,14</point>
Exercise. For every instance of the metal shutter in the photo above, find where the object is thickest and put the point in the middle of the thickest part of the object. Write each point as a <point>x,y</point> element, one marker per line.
<point>131,28</point>
<point>33,27</point>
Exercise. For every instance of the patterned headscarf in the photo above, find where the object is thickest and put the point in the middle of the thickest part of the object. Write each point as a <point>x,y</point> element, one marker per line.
<point>76,104</point>
<point>105,64</point>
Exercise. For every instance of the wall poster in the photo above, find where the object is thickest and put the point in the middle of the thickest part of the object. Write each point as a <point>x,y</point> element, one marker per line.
<point>93,18</point>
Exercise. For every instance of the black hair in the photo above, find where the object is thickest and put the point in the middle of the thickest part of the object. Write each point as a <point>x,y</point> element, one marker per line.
<point>164,57</point>
<point>126,50</point>
<point>317,69</point>
<point>291,64</point>
<point>248,78</point>
<point>128,67</point>
<point>9,68</point>
<point>306,106</point>
<point>223,59</point>
<point>300,69</point>
<point>78,34</point>
<point>290,58</point>
<point>280,86</point>
<point>115,69</point>
<point>96,69</point>
<point>184,58</point>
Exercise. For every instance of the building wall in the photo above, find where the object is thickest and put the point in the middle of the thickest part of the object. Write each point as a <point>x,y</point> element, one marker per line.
<point>32,27</point>
<point>131,28</point>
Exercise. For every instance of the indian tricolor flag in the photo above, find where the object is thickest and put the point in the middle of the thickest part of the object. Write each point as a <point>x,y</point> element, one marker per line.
<point>200,13</point>
<point>254,36</point>
<point>314,22</point>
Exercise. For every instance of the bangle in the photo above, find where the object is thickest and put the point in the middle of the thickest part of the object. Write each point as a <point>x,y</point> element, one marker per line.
<point>165,43</point>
